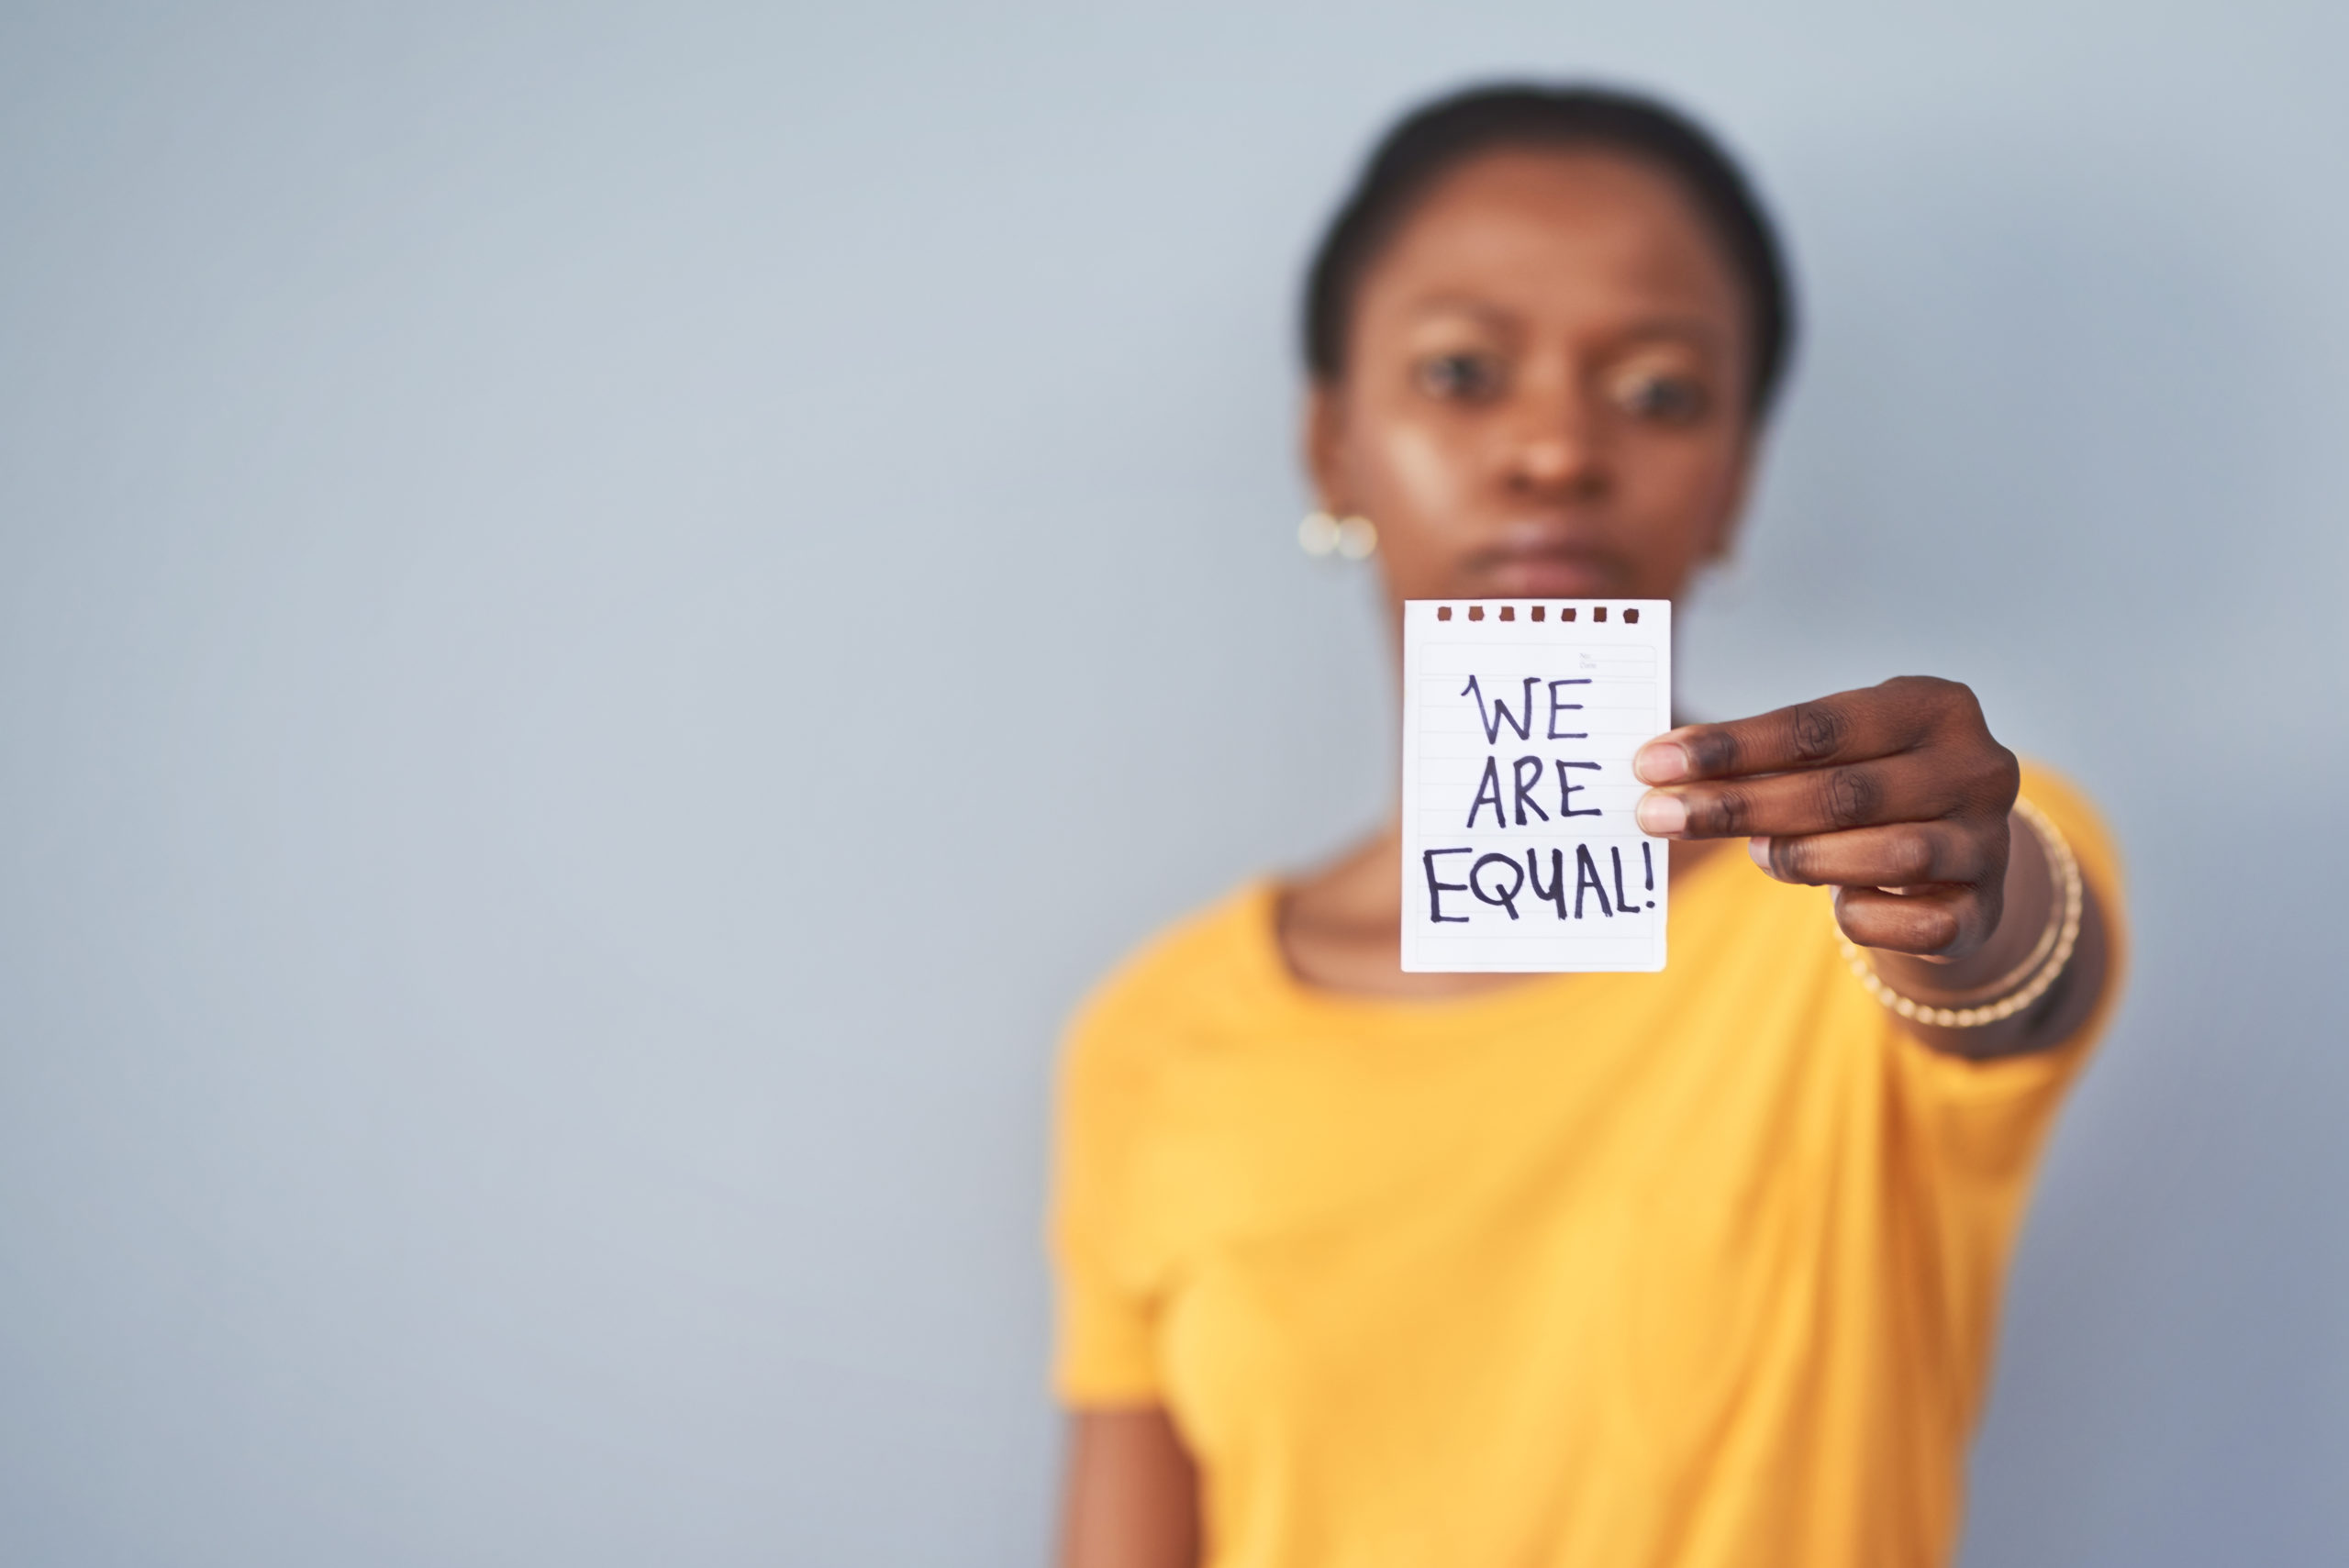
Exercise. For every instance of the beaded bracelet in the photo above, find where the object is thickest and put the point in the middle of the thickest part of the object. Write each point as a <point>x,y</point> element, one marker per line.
<point>2030,980</point>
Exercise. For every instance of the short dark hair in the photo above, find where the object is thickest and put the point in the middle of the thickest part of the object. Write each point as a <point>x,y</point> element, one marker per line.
<point>1438,136</point>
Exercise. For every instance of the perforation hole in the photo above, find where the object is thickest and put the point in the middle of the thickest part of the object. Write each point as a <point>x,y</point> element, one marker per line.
<point>1509,612</point>
<point>1476,612</point>
<point>1538,612</point>
<point>1630,618</point>
<point>1443,612</point>
<point>1566,614</point>
<point>1598,612</point>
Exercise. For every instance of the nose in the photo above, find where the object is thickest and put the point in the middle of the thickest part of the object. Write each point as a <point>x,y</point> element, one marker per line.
<point>1557,448</point>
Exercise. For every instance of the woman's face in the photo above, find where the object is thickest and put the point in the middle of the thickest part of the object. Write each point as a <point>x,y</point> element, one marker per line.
<point>1545,386</point>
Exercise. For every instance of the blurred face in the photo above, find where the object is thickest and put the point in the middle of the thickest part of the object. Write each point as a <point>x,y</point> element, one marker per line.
<point>1544,391</point>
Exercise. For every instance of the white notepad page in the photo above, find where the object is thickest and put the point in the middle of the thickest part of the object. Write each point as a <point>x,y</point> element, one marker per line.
<point>1519,718</point>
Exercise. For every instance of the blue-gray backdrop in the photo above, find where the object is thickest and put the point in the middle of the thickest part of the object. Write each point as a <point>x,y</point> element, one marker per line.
<point>606,613</point>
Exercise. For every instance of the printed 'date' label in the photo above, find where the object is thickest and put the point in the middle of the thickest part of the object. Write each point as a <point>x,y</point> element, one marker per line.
<point>1519,718</point>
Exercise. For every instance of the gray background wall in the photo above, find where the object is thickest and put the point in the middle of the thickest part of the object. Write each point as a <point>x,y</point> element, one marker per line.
<point>605,614</point>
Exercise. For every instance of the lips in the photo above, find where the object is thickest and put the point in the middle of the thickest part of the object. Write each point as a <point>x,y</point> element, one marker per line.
<point>1546,571</point>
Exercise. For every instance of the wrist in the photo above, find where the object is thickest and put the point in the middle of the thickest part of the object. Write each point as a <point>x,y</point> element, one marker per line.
<point>2029,903</point>
<point>1983,993</point>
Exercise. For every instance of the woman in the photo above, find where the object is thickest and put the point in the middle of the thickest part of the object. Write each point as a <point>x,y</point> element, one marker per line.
<point>1360,1266</point>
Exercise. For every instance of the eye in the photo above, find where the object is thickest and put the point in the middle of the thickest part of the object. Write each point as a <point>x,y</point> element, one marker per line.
<point>1666,397</point>
<point>1461,378</point>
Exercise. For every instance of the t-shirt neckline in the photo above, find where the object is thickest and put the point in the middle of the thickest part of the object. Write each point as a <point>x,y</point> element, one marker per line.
<point>1261,926</point>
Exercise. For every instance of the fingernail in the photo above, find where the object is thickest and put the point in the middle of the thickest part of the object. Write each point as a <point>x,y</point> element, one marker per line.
<point>1660,762</point>
<point>1661,813</point>
<point>1758,848</point>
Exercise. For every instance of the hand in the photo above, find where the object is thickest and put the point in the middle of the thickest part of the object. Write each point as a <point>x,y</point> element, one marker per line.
<point>1896,795</point>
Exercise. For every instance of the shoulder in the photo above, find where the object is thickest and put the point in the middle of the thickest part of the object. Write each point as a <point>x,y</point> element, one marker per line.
<point>1131,1041</point>
<point>1183,979</point>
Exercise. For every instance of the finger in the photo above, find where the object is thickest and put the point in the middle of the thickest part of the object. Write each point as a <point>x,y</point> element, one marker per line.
<point>1901,854</point>
<point>1875,721</point>
<point>1828,800</point>
<point>1932,924</point>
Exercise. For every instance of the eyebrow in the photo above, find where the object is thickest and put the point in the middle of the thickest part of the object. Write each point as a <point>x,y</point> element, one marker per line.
<point>1680,328</point>
<point>1443,303</point>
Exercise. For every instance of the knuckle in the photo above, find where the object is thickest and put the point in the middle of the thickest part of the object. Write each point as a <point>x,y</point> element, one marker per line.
<point>1938,930</point>
<point>1819,731</point>
<point>2006,775</point>
<point>1933,702</point>
<point>1913,857</point>
<point>1958,705</point>
<point>1988,783</point>
<point>1713,751</point>
<point>1850,797</point>
<point>1722,811</point>
<point>1791,859</point>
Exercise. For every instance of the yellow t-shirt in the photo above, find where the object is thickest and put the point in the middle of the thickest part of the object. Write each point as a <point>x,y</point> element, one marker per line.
<point>1696,1268</point>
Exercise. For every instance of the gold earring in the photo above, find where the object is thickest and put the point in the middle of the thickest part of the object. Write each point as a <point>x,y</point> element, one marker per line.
<point>1354,537</point>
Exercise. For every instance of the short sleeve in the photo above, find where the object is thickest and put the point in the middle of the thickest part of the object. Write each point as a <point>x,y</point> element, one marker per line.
<point>1104,1354</point>
<point>1104,1351</point>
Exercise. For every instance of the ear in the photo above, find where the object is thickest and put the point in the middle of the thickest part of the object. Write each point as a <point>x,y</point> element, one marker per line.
<point>1324,442</point>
